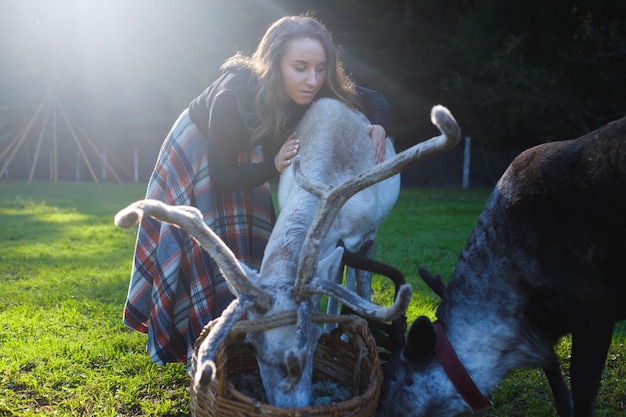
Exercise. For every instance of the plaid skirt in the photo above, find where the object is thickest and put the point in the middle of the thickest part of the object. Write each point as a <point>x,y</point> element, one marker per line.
<point>175,287</point>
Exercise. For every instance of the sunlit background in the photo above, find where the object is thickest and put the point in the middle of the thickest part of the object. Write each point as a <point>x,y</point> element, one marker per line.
<point>111,73</point>
<point>90,88</point>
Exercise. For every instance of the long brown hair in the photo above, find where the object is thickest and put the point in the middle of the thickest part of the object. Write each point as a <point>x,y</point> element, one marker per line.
<point>265,64</point>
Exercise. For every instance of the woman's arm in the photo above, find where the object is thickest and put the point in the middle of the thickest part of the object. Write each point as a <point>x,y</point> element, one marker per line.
<point>377,111</point>
<point>228,137</point>
<point>375,106</point>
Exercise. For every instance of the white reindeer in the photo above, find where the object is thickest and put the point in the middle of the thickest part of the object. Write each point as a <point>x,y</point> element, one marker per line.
<point>334,147</point>
<point>335,166</point>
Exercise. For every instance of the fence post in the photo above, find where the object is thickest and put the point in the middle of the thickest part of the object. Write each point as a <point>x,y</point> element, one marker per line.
<point>136,164</point>
<point>466,162</point>
<point>104,164</point>
<point>77,169</point>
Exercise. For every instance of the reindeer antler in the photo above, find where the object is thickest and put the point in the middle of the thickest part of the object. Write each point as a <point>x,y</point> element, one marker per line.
<point>208,348</point>
<point>248,294</point>
<point>332,199</point>
<point>251,296</point>
<point>365,308</point>
<point>190,219</point>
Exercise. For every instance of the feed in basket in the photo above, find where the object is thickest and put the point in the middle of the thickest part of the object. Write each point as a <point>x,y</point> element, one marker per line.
<point>345,360</point>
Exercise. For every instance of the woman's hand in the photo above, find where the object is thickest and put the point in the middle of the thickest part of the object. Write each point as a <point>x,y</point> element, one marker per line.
<point>286,153</point>
<point>378,135</point>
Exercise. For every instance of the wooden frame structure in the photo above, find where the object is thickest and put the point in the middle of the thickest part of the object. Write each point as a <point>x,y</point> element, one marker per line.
<point>53,112</point>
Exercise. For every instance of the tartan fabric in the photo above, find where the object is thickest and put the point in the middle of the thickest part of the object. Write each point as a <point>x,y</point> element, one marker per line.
<point>175,287</point>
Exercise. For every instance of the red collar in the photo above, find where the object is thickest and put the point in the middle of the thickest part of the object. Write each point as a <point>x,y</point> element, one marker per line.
<point>457,373</point>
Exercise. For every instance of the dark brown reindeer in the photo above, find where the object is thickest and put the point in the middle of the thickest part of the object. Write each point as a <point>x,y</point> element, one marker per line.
<point>547,258</point>
<point>333,201</point>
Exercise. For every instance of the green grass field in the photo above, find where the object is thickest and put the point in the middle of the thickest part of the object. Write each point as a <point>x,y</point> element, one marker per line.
<point>64,272</point>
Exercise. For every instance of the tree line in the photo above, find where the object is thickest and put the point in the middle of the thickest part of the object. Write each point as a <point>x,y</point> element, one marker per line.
<point>514,73</point>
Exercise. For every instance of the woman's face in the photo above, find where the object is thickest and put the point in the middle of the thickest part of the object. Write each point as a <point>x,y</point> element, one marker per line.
<point>303,69</point>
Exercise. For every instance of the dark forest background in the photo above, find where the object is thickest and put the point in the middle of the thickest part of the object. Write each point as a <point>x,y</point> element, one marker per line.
<point>515,73</point>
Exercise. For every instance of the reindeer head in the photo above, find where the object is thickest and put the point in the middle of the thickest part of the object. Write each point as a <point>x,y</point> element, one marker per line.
<point>285,353</point>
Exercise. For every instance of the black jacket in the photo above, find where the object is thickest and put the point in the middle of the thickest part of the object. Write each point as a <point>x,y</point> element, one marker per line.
<point>223,114</point>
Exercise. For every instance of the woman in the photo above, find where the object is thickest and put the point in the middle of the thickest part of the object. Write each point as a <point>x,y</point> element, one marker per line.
<point>219,157</point>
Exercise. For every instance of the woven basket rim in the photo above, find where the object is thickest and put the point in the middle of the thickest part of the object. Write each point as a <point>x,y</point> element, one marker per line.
<point>355,325</point>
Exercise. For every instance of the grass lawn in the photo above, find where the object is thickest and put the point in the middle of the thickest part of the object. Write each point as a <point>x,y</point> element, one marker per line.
<point>64,272</point>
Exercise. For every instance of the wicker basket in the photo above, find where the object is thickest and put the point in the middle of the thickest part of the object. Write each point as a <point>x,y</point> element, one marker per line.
<point>353,363</point>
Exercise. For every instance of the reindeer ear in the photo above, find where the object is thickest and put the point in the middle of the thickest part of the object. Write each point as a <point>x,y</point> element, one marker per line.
<point>328,268</point>
<point>433,281</point>
<point>421,340</point>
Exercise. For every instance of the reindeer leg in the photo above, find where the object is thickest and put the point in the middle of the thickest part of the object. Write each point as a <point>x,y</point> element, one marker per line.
<point>333,303</point>
<point>389,336</point>
<point>562,395</point>
<point>351,285</point>
<point>357,261</point>
<point>351,279</point>
<point>358,281</point>
<point>591,337</point>
<point>332,307</point>
<point>363,276</point>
